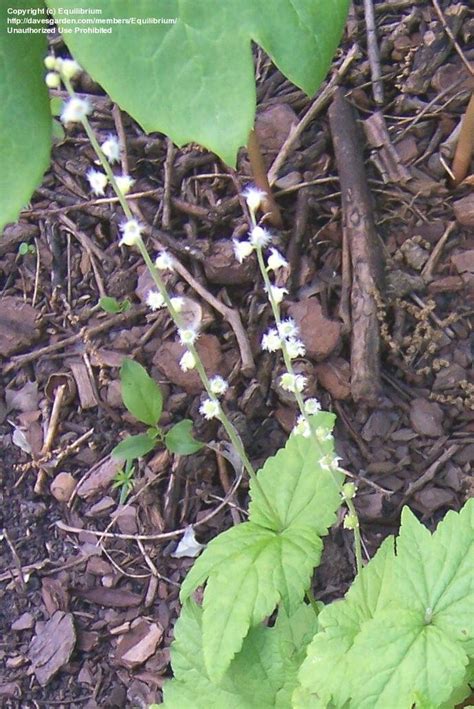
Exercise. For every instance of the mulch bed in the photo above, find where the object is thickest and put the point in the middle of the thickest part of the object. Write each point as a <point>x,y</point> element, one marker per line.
<point>89,588</point>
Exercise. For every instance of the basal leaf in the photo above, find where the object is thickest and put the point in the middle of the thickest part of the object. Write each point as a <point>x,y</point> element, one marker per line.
<point>140,393</point>
<point>266,568</point>
<point>403,657</point>
<point>325,671</point>
<point>189,73</point>
<point>262,674</point>
<point>300,490</point>
<point>25,118</point>
<point>134,447</point>
<point>180,440</point>
<point>407,616</point>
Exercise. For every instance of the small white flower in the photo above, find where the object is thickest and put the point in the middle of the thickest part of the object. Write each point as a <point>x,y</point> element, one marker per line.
<point>295,348</point>
<point>312,406</point>
<point>293,382</point>
<point>242,249</point>
<point>178,303</point>
<point>187,361</point>
<point>75,110</point>
<point>111,148</point>
<point>131,232</point>
<point>50,62</point>
<point>124,183</point>
<point>164,261</point>
<point>68,68</point>
<point>210,409</point>
<point>329,462</point>
<point>276,261</point>
<point>260,237</point>
<point>253,197</point>
<point>302,427</point>
<point>277,293</point>
<point>218,385</point>
<point>287,328</point>
<point>52,80</point>
<point>188,336</point>
<point>271,341</point>
<point>323,434</point>
<point>155,300</point>
<point>97,180</point>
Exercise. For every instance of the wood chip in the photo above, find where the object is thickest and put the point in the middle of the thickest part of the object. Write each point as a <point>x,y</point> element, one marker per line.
<point>52,646</point>
<point>136,646</point>
<point>18,328</point>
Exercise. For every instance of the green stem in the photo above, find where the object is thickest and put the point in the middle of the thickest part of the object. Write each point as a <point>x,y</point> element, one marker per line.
<point>357,537</point>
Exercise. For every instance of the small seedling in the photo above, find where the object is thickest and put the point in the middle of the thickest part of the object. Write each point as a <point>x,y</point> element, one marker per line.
<point>26,248</point>
<point>143,399</point>
<point>125,480</point>
<point>114,306</point>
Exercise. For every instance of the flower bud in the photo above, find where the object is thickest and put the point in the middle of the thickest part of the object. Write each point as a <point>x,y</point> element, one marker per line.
<point>98,181</point>
<point>69,68</point>
<point>50,62</point>
<point>124,183</point>
<point>111,149</point>
<point>348,491</point>
<point>52,80</point>
<point>131,232</point>
<point>351,522</point>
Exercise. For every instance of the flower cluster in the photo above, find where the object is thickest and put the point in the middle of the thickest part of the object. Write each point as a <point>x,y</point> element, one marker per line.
<point>284,335</point>
<point>211,408</point>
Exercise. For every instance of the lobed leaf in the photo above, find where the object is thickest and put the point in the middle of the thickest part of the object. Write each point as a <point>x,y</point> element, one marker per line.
<point>407,615</point>
<point>262,675</point>
<point>25,118</point>
<point>193,78</point>
<point>298,488</point>
<point>140,393</point>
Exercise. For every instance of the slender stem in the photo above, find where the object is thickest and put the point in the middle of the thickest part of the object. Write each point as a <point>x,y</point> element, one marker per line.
<point>357,538</point>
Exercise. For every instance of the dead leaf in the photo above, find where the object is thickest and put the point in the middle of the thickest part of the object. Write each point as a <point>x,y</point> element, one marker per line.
<point>52,646</point>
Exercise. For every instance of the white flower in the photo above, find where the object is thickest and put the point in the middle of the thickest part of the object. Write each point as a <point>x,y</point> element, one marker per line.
<point>276,261</point>
<point>164,261</point>
<point>253,197</point>
<point>188,336</point>
<point>155,300</point>
<point>323,434</point>
<point>287,328</point>
<point>302,427</point>
<point>52,80</point>
<point>97,180</point>
<point>242,249</point>
<point>295,348</point>
<point>312,406</point>
<point>271,341</point>
<point>177,303</point>
<point>329,462</point>
<point>187,361</point>
<point>111,148</point>
<point>260,237</point>
<point>210,409</point>
<point>124,183</point>
<point>277,293</point>
<point>75,110</point>
<point>68,68</point>
<point>131,232</point>
<point>293,382</point>
<point>50,62</point>
<point>218,385</point>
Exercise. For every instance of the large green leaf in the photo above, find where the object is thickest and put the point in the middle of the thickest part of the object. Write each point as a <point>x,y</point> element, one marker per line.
<point>193,78</point>
<point>25,118</point>
<point>263,674</point>
<point>140,393</point>
<point>179,439</point>
<point>407,615</point>
<point>266,568</point>
<point>301,491</point>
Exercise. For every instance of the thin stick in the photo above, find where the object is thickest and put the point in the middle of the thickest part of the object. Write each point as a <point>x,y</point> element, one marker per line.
<point>465,146</point>
<point>373,53</point>
<point>451,36</point>
<point>261,180</point>
<point>317,105</point>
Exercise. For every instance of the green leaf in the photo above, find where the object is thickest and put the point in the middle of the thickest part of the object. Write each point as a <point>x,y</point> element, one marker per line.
<point>25,118</point>
<point>134,447</point>
<point>179,439</point>
<point>266,568</point>
<point>406,615</point>
<point>112,305</point>
<point>56,105</point>
<point>193,78</point>
<point>140,393</point>
<point>298,488</point>
<point>262,674</point>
